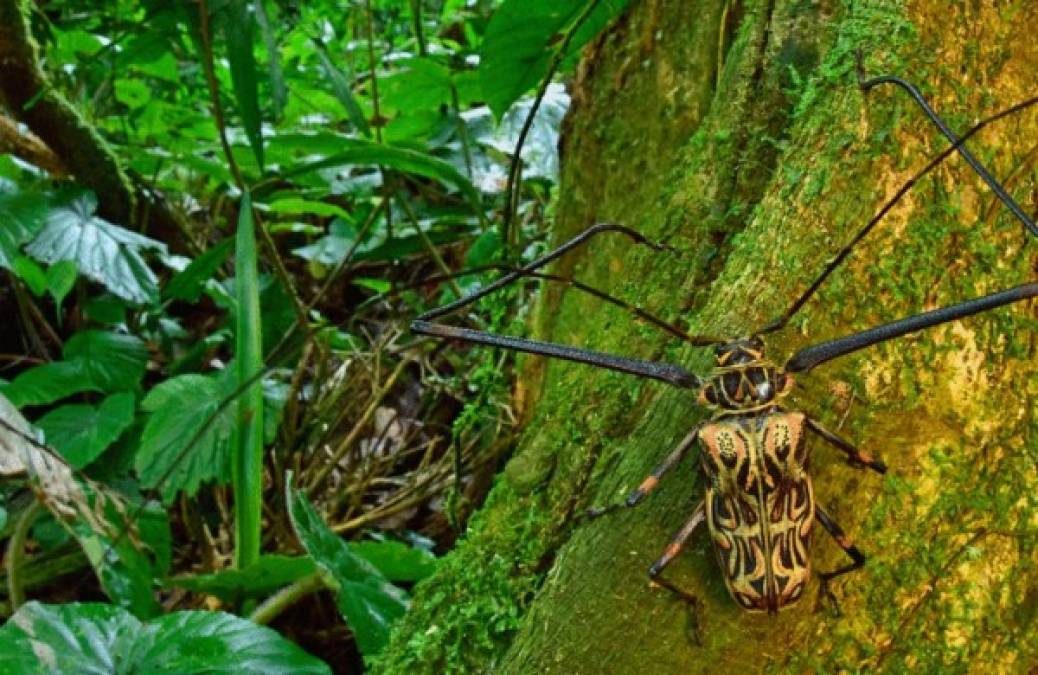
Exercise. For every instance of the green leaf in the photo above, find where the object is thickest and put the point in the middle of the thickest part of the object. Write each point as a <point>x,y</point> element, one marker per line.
<point>61,277</point>
<point>396,560</point>
<point>266,575</point>
<point>237,30</point>
<point>31,273</point>
<point>111,361</point>
<point>186,440</point>
<point>300,205</point>
<point>377,285</point>
<point>47,383</point>
<point>82,432</point>
<point>102,251</point>
<point>418,84</point>
<point>248,432</point>
<point>363,152</point>
<point>22,215</point>
<point>132,93</point>
<point>340,84</point>
<point>188,284</point>
<point>366,599</point>
<point>278,90</point>
<point>94,361</point>
<point>98,638</point>
<point>518,45</point>
<point>485,250</point>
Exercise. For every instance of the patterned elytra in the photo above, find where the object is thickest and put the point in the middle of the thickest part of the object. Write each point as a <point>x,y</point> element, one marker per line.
<point>759,505</point>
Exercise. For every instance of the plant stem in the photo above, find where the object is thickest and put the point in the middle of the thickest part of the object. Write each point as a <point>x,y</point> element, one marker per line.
<point>16,555</point>
<point>285,598</point>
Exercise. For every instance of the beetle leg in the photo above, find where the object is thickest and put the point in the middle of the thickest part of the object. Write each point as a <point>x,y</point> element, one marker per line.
<point>676,544</point>
<point>854,455</point>
<point>857,557</point>
<point>652,480</point>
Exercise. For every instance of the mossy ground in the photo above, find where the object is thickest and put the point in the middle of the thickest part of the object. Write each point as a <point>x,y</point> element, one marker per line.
<point>760,159</point>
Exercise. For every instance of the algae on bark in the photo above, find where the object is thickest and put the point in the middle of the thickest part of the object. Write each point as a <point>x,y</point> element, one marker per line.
<point>734,130</point>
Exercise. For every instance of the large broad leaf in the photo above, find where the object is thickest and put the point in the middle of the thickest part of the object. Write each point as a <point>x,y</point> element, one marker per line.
<point>81,432</point>
<point>94,638</point>
<point>517,49</point>
<point>47,383</point>
<point>186,440</point>
<point>102,251</point>
<point>94,361</point>
<point>22,214</point>
<point>262,578</point>
<point>366,599</point>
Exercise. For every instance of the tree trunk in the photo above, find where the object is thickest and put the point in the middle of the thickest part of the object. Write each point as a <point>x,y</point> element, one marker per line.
<point>736,132</point>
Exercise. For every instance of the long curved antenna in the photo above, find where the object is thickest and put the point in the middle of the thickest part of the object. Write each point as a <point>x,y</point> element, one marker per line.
<point>957,146</point>
<point>957,143</point>
<point>670,373</point>
<point>655,370</point>
<point>812,356</point>
<point>580,239</point>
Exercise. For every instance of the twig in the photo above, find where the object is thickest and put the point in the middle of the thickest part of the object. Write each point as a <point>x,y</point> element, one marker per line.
<point>437,258</point>
<point>214,89</point>
<point>512,187</point>
<point>347,443</point>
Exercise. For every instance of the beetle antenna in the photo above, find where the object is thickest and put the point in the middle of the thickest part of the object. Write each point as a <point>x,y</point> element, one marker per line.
<point>956,146</point>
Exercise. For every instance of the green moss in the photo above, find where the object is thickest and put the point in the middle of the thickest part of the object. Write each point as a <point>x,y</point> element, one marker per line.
<point>471,608</point>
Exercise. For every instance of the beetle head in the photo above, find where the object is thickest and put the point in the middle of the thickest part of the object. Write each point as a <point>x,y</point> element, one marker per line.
<point>743,378</point>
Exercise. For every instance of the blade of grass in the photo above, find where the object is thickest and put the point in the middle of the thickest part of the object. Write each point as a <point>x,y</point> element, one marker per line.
<point>248,442</point>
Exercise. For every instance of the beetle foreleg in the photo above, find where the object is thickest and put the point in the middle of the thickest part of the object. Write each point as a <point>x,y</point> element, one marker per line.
<point>652,480</point>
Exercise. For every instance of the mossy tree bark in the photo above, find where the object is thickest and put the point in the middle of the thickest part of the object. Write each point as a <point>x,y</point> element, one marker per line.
<point>734,130</point>
<point>30,97</point>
